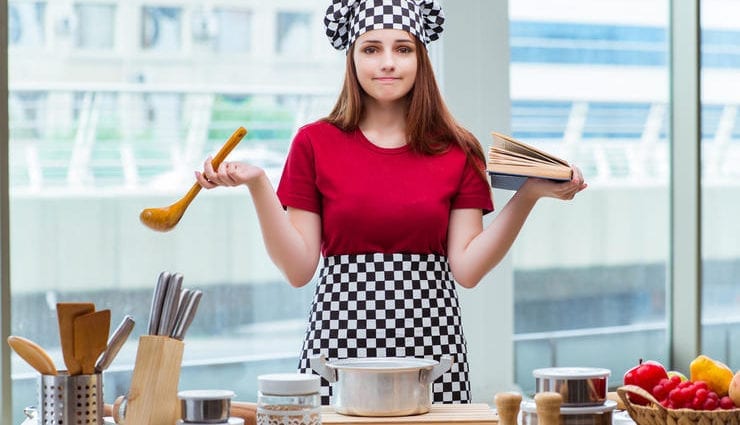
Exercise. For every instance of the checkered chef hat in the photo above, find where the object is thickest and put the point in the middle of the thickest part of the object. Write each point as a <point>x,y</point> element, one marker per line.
<point>346,20</point>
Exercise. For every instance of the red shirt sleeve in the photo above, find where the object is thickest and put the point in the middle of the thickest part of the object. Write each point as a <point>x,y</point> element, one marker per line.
<point>297,186</point>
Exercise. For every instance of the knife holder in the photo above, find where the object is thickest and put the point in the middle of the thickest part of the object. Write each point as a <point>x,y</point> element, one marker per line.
<point>75,399</point>
<point>152,397</point>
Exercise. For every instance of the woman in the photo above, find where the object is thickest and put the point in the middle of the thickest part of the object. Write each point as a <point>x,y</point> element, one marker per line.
<point>391,192</point>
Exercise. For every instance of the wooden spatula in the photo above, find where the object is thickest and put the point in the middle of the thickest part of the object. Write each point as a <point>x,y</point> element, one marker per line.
<point>66,314</point>
<point>91,338</point>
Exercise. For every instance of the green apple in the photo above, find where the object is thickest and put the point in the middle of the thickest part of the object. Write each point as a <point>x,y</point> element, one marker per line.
<point>677,373</point>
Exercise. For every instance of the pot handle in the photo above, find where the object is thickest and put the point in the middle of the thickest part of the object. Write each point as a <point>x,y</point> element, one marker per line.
<point>318,364</point>
<point>445,363</point>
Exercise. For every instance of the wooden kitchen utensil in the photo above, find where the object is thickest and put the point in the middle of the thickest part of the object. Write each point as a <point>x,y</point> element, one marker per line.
<point>548,407</point>
<point>33,354</point>
<point>152,397</point>
<point>507,404</point>
<point>165,218</point>
<point>91,338</point>
<point>66,313</point>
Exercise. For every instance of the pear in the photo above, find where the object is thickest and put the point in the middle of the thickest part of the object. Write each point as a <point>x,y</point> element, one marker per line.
<point>735,389</point>
<point>716,374</point>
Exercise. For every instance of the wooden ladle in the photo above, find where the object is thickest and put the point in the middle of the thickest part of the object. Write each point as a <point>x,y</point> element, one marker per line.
<point>166,218</point>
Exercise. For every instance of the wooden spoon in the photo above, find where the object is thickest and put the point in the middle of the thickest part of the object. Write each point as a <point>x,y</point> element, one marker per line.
<point>33,354</point>
<point>66,314</point>
<point>91,338</point>
<point>166,218</point>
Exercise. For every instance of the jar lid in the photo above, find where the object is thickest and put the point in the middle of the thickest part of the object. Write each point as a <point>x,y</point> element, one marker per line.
<point>571,372</point>
<point>530,406</point>
<point>289,383</point>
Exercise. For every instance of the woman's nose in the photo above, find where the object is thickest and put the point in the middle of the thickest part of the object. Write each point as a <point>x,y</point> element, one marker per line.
<point>388,63</point>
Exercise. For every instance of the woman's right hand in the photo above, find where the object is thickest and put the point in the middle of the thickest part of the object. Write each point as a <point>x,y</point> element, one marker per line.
<point>228,174</point>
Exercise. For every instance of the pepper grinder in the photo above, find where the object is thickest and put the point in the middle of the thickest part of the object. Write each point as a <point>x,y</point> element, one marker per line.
<point>548,407</point>
<point>507,405</point>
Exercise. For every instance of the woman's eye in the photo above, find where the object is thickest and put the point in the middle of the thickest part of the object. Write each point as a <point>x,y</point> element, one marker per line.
<point>404,49</point>
<point>369,50</point>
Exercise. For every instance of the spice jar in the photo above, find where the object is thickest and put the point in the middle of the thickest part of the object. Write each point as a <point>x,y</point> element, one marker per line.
<point>289,399</point>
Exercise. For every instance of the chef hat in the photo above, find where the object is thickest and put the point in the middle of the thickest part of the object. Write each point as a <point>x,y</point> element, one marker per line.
<point>346,20</point>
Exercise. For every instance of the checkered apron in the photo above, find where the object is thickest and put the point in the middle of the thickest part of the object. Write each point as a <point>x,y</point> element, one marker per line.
<point>388,305</point>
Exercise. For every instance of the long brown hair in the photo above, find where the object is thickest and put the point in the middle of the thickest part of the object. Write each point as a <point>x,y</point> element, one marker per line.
<point>430,127</point>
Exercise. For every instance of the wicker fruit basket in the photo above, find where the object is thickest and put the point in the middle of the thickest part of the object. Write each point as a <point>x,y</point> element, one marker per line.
<point>655,414</point>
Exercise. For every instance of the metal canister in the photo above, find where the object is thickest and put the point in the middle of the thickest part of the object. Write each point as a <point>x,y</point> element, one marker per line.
<point>65,399</point>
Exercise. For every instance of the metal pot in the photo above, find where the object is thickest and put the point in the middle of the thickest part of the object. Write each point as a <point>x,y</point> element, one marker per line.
<point>205,406</point>
<point>589,415</point>
<point>381,386</point>
<point>579,386</point>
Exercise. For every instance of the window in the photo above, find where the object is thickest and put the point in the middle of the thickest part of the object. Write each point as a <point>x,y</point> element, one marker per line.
<point>87,154</point>
<point>720,153</point>
<point>161,29</point>
<point>96,26</point>
<point>234,30</point>
<point>590,87</point>
<point>294,34</point>
<point>26,24</point>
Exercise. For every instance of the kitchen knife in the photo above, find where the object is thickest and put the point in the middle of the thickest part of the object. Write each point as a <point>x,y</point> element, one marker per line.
<point>185,296</point>
<point>157,299</point>
<point>116,341</point>
<point>189,315</point>
<point>169,306</point>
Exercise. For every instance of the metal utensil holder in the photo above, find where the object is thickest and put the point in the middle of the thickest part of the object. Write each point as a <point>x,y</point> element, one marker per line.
<point>71,400</point>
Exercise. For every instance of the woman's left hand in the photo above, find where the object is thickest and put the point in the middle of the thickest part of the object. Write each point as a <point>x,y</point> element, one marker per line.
<point>544,188</point>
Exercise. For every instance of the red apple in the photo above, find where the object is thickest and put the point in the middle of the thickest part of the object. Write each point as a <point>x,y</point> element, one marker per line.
<point>646,375</point>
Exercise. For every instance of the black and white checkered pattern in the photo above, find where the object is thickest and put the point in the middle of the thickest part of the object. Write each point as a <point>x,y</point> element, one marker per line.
<point>389,305</point>
<point>346,20</point>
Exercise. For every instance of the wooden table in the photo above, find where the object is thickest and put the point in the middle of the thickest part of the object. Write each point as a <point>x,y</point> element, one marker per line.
<point>468,414</point>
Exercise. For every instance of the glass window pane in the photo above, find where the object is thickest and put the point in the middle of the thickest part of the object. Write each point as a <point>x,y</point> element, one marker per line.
<point>161,29</point>
<point>26,24</point>
<point>720,152</point>
<point>96,25</point>
<point>589,85</point>
<point>88,154</point>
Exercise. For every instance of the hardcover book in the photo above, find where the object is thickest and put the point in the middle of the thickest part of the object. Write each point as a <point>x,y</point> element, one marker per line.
<point>511,161</point>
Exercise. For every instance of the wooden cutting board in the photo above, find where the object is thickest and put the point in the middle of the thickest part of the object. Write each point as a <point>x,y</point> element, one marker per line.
<point>468,414</point>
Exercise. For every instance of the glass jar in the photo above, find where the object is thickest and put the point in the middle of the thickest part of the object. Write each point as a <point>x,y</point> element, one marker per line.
<point>289,399</point>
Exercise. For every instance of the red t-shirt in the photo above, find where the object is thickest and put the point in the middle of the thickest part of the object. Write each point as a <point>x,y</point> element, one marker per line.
<point>377,200</point>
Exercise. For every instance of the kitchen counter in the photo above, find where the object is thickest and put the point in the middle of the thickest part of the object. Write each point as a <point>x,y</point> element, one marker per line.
<point>468,414</point>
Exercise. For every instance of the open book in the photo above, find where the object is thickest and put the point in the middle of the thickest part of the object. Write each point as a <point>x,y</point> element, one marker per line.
<point>510,162</point>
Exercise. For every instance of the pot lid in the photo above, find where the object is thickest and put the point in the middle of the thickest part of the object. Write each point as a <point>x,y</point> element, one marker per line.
<point>205,395</point>
<point>571,372</point>
<point>529,406</point>
<point>391,364</point>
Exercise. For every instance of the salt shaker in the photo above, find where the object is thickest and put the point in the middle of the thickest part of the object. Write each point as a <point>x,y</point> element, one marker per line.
<point>548,407</point>
<point>289,399</point>
<point>507,405</point>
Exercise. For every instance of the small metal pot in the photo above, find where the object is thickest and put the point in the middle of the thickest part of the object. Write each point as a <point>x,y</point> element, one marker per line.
<point>579,386</point>
<point>588,415</point>
<point>205,406</point>
<point>378,386</point>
